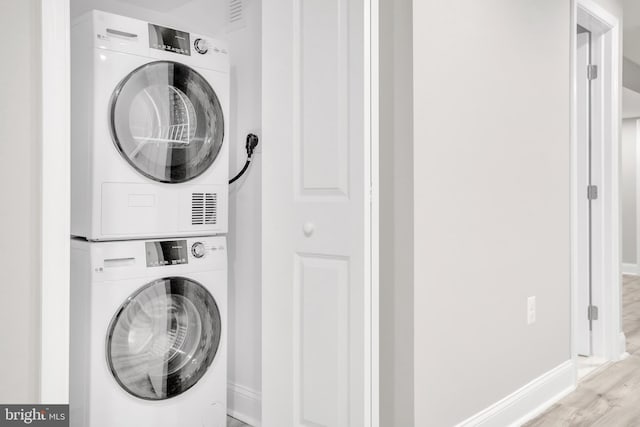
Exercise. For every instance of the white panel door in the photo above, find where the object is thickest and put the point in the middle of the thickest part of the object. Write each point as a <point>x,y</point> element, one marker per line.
<point>316,347</point>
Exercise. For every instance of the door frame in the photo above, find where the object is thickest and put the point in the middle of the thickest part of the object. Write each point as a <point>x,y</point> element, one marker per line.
<point>609,342</point>
<point>55,210</point>
<point>55,201</point>
<point>372,135</point>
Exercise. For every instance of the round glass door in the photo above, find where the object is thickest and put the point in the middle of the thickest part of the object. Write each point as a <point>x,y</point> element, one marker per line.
<point>167,121</point>
<point>163,338</point>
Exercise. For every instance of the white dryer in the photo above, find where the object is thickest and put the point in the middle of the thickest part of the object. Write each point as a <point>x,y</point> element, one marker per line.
<point>148,333</point>
<point>150,108</point>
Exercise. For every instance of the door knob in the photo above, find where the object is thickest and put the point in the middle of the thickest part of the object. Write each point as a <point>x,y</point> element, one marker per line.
<point>308,229</point>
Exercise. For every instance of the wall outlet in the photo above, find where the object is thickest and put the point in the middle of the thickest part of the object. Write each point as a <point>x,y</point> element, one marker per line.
<point>531,310</point>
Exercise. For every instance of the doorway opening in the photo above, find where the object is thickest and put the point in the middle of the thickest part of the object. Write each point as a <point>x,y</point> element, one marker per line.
<point>334,177</point>
<point>597,337</point>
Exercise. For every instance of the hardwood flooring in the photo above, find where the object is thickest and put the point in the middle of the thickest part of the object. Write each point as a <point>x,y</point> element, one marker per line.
<point>610,397</point>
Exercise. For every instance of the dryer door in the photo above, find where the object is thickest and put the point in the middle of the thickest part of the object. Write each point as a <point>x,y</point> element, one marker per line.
<point>167,121</point>
<point>163,338</point>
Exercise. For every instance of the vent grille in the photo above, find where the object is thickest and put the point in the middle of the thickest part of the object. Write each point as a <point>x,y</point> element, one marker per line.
<point>236,14</point>
<point>204,209</point>
<point>236,9</point>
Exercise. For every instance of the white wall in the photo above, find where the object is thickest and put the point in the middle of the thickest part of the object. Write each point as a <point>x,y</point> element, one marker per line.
<point>629,192</point>
<point>20,151</point>
<point>396,214</point>
<point>492,200</point>
<point>245,219</point>
<point>244,238</point>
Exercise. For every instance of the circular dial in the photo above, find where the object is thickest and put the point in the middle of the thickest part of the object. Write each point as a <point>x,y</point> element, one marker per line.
<point>198,249</point>
<point>201,46</point>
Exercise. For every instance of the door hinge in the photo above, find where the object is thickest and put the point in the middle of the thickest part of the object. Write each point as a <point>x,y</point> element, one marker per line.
<point>592,312</point>
<point>592,72</point>
<point>592,192</point>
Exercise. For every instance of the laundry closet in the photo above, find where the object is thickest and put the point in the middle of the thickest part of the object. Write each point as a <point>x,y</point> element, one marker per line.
<point>202,216</point>
<point>297,246</point>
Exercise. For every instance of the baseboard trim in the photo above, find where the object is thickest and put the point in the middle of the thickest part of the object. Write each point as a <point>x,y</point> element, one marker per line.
<point>631,269</point>
<point>529,401</point>
<point>244,404</point>
<point>622,346</point>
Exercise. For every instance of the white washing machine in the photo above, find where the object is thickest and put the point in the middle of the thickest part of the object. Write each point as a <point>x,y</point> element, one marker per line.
<point>150,108</point>
<point>148,333</point>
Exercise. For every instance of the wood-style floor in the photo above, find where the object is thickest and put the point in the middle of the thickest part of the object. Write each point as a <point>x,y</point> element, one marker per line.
<point>232,422</point>
<point>610,397</point>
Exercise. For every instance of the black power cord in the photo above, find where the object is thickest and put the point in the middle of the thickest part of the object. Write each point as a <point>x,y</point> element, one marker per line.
<point>252,143</point>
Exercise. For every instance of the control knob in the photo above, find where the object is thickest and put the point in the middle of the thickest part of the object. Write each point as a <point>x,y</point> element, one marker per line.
<point>201,46</point>
<point>198,249</point>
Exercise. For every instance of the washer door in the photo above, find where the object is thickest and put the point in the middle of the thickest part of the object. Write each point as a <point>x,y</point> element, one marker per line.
<point>163,338</point>
<point>167,121</point>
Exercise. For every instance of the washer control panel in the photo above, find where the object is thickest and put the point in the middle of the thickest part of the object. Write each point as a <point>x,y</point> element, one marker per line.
<point>168,252</point>
<point>117,260</point>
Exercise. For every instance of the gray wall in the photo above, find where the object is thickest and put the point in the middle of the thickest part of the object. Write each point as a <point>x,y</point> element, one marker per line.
<point>492,200</point>
<point>630,75</point>
<point>20,153</point>
<point>396,213</point>
<point>629,191</point>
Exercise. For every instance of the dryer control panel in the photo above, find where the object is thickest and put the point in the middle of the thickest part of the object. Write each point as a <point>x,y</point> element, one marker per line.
<point>121,34</point>
<point>164,38</point>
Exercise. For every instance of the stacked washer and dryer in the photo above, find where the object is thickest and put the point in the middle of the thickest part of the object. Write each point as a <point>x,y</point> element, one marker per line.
<point>149,215</point>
